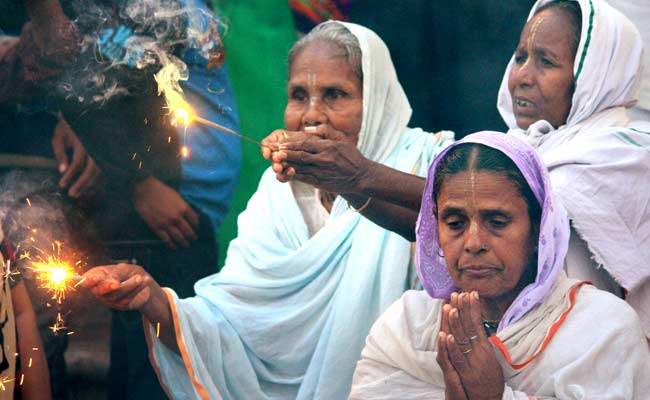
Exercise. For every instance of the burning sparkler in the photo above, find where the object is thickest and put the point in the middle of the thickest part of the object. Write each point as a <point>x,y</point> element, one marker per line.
<point>54,272</point>
<point>181,112</point>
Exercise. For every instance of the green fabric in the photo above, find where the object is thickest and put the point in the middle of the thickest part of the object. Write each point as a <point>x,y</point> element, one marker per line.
<point>258,38</point>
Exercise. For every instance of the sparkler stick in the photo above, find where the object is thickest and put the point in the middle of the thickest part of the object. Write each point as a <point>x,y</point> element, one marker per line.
<point>222,128</point>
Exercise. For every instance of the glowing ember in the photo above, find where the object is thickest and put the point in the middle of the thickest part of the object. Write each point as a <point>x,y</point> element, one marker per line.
<point>182,115</point>
<point>185,151</point>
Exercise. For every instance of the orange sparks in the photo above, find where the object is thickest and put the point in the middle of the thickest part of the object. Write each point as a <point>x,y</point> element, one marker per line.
<point>30,362</point>
<point>55,271</point>
<point>185,151</point>
<point>157,329</point>
<point>59,325</point>
<point>29,203</point>
<point>4,380</point>
<point>22,379</point>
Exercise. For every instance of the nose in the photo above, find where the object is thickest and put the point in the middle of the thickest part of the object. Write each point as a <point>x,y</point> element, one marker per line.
<point>315,113</point>
<point>474,240</point>
<point>524,76</point>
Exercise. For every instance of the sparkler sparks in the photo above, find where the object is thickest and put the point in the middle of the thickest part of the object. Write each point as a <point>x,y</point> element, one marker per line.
<point>59,325</point>
<point>54,274</point>
<point>57,272</point>
<point>179,109</point>
<point>3,381</point>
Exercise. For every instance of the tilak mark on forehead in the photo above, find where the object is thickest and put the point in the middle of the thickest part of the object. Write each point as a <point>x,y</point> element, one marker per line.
<point>311,83</point>
<point>531,37</point>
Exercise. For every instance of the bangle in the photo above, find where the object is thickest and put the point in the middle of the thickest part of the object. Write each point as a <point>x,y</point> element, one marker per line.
<point>363,207</point>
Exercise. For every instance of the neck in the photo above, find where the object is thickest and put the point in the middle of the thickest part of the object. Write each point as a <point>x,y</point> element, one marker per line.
<point>493,308</point>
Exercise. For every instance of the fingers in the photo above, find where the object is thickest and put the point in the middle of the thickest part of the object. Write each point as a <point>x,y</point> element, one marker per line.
<point>456,355</point>
<point>86,180</point>
<point>164,236</point>
<point>77,164</point>
<point>453,384</point>
<point>468,315</point>
<point>184,227</point>
<point>193,218</point>
<point>444,323</point>
<point>270,143</point>
<point>59,146</point>
<point>457,330</point>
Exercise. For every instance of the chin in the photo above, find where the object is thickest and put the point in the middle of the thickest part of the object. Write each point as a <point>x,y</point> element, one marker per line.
<point>524,122</point>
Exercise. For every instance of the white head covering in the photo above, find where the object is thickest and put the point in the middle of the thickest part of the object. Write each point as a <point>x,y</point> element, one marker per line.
<point>608,69</point>
<point>386,109</point>
<point>599,165</point>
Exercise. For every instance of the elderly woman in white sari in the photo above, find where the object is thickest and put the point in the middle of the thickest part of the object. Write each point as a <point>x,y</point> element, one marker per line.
<point>307,274</point>
<point>567,91</point>
<point>499,318</point>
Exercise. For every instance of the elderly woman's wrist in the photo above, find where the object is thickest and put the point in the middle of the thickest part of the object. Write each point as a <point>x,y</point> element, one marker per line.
<point>157,308</point>
<point>363,183</point>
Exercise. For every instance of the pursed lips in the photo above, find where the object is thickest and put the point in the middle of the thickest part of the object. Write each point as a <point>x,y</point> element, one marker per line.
<point>478,270</point>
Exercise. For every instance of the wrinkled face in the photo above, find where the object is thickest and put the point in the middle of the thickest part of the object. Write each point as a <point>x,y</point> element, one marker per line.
<point>323,89</point>
<point>541,80</point>
<point>485,233</point>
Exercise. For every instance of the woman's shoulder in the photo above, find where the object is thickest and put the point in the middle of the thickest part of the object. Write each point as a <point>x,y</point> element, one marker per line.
<point>601,317</point>
<point>591,300</point>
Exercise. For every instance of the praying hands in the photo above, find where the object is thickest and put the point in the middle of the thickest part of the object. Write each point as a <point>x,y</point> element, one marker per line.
<point>465,355</point>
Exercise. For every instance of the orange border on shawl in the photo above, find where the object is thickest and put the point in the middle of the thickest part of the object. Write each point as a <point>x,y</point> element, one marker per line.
<point>549,335</point>
<point>181,347</point>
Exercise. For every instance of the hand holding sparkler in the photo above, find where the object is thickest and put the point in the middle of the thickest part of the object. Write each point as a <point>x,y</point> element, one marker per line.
<point>130,287</point>
<point>122,286</point>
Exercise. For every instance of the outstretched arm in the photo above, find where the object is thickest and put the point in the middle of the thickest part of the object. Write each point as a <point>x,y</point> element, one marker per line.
<point>130,287</point>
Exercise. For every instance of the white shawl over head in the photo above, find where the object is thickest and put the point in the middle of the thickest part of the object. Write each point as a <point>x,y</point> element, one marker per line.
<point>287,315</point>
<point>386,109</point>
<point>599,161</point>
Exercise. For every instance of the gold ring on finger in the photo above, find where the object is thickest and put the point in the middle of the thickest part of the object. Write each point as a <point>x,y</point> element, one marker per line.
<point>474,337</point>
<point>467,351</point>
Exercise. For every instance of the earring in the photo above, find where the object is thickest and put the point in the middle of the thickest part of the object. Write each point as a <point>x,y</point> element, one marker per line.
<point>439,253</point>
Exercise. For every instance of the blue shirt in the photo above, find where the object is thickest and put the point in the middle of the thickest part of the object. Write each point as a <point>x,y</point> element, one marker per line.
<point>209,175</point>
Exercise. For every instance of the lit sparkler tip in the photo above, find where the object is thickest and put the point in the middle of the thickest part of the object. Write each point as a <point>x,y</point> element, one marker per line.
<point>185,152</point>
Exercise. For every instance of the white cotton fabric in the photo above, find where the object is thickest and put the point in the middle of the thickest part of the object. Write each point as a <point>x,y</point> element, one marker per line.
<point>287,316</point>
<point>599,351</point>
<point>386,109</point>
<point>599,161</point>
<point>638,11</point>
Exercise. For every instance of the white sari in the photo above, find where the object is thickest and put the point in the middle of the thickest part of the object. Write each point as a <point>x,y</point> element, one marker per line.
<point>597,352</point>
<point>599,161</point>
<point>287,315</point>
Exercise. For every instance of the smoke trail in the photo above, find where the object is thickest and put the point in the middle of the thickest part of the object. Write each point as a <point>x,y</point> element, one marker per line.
<point>124,45</point>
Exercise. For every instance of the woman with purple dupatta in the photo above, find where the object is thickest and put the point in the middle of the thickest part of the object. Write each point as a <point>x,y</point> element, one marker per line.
<point>499,318</point>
